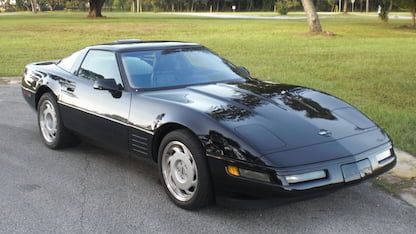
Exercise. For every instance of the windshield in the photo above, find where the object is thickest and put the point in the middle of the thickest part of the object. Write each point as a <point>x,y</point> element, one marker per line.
<point>176,67</point>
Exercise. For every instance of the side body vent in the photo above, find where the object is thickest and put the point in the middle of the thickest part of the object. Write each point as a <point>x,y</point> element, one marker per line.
<point>139,143</point>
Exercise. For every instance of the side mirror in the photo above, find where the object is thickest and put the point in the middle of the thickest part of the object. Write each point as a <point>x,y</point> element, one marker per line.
<point>243,71</point>
<point>109,85</point>
<point>106,84</point>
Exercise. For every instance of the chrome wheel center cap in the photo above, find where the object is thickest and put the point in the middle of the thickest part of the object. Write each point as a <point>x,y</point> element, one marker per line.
<point>180,165</point>
<point>49,121</point>
<point>181,169</point>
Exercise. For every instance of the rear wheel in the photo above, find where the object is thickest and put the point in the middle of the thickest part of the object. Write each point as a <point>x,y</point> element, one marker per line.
<point>183,170</point>
<point>54,134</point>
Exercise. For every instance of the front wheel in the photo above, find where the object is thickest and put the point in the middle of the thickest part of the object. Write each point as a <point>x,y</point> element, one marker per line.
<point>54,133</point>
<point>183,170</point>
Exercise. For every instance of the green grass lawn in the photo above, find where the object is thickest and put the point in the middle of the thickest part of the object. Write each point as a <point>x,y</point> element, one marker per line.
<point>370,64</point>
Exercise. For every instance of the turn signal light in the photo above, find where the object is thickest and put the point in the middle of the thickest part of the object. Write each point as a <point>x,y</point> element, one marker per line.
<point>240,172</point>
<point>233,170</point>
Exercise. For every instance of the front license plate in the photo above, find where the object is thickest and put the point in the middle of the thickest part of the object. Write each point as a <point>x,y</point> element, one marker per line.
<point>357,170</point>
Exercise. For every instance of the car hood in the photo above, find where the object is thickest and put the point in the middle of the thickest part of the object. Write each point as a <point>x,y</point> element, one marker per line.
<point>274,117</point>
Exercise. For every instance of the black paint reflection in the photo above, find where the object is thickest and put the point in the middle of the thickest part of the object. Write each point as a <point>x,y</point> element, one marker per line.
<point>219,145</point>
<point>230,112</point>
<point>312,109</point>
<point>262,93</point>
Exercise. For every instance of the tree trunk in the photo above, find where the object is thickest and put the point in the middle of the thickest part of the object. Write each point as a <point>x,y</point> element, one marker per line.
<point>313,19</point>
<point>34,5</point>
<point>95,8</point>
<point>345,7</point>
<point>339,5</point>
<point>367,6</point>
<point>414,15</point>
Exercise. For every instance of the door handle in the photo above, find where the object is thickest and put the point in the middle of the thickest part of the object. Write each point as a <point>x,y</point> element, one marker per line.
<point>68,86</point>
<point>70,89</point>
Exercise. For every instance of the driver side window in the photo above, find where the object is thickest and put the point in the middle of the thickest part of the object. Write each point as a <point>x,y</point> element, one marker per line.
<point>100,64</point>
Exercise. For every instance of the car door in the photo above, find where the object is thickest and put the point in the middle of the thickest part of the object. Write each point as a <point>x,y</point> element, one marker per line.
<point>97,114</point>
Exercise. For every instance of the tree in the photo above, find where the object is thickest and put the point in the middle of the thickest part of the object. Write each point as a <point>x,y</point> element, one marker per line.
<point>119,4</point>
<point>95,8</point>
<point>385,6</point>
<point>34,4</point>
<point>313,18</point>
<point>345,7</point>
<point>411,6</point>
<point>333,4</point>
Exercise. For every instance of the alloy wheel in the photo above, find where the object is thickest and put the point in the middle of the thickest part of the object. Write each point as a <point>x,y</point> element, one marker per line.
<point>179,170</point>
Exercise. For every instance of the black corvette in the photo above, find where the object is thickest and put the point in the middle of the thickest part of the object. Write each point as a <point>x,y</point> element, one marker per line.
<point>211,127</point>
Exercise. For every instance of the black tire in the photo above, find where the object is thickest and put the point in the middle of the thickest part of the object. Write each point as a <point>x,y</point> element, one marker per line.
<point>63,137</point>
<point>203,194</point>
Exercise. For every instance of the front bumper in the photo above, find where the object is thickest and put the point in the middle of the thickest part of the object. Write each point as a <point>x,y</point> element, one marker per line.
<point>337,177</point>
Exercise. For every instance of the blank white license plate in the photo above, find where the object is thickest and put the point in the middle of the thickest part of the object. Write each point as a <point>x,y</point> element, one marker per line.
<point>357,170</point>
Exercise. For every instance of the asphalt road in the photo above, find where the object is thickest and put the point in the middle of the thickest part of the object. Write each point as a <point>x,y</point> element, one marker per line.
<point>322,15</point>
<point>89,190</point>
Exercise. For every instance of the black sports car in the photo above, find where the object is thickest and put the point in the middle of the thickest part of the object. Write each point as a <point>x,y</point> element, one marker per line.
<point>211,127</point>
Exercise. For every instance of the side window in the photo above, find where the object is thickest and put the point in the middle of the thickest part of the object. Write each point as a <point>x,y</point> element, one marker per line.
<point>68,63</point>
<point>100,64</point>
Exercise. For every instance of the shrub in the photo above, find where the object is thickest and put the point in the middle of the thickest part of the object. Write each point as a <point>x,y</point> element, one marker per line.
<point>283,6</point>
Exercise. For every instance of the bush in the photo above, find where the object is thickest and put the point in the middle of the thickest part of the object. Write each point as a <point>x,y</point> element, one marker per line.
<point>283,6</point>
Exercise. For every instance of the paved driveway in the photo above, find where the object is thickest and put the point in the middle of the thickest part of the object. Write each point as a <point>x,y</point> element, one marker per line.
<point>322,15</point>
<point>86,189</point>
<point>238,16</point>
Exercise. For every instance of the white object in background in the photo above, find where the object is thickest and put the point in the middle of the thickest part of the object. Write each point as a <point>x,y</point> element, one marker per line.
<point>339,5</point>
